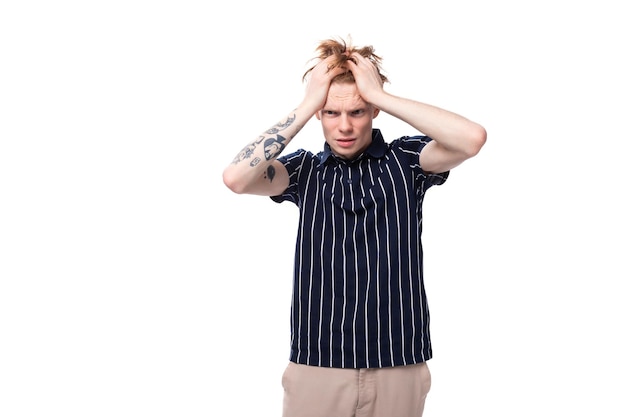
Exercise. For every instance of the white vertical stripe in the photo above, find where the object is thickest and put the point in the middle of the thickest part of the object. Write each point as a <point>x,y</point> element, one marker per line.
<point>322,262</point>
<point>300,272</point>
<point>377,248</point>
<point>311,277</point>
<point>332,269</point>
<point>367,263</point>
<point>344,265</point>
<point>388,258</point>
<point>399,255</point>
<point>410,219</point>
<point>356,269</point>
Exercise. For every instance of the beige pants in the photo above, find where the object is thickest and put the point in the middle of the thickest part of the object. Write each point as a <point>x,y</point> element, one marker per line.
<point>312,391</point>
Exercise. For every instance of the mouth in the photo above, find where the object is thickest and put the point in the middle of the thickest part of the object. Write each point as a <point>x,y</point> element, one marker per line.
<point>345,142</point>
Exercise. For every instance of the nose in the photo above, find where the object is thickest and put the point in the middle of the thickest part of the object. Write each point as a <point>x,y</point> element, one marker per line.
<point>344,123</point>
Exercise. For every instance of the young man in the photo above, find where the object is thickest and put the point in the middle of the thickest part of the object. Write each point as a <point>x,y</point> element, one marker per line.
<point>360,320</point>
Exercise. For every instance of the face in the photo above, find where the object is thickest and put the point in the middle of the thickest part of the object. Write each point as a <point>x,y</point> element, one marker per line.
<point>347,120</point>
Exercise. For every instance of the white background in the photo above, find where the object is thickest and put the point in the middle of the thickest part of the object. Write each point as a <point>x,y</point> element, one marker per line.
<point>133,283</point>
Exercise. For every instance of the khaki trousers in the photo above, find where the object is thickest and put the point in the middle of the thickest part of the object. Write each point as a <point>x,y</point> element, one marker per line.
<point>312,391</point>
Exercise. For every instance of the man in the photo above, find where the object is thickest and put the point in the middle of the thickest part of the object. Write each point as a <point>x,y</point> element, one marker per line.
<point>359,315</point>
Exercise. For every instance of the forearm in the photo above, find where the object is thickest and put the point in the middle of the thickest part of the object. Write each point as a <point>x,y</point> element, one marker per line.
<point>254,161</point>
<point>450,130</point>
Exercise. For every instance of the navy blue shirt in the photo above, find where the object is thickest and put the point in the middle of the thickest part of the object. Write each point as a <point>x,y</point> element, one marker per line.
<point>358,291</point>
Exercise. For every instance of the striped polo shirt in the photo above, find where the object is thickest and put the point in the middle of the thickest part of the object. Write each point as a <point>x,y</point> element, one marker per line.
<point>358,291</point>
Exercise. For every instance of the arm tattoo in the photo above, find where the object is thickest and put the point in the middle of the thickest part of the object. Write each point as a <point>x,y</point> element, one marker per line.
<point>270,173</point>
<point>281,126</point>
<point>248,150</point>
<point>272,146</point>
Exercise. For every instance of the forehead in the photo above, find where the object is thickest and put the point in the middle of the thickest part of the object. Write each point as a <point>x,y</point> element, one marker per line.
<point>344,95</point>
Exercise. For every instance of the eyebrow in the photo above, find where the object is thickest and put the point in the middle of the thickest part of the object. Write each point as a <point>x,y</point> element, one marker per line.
<point>352,110</point>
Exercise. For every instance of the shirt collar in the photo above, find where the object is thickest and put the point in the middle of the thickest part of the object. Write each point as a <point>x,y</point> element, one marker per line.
<point>376,149</point>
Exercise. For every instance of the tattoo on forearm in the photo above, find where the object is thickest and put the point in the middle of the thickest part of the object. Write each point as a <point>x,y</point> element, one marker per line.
<point>248,151</point>
<point>273,147</point>
<point>281,126</point>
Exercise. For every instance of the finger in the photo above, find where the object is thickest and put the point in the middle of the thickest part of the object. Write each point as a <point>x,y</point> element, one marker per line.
<point>333,72</point>
<point>356,55</point>
<point>360,58</point>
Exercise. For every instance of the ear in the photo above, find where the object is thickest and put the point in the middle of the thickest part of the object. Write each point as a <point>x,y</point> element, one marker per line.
<point>376,111</point>
<point>318,114</point>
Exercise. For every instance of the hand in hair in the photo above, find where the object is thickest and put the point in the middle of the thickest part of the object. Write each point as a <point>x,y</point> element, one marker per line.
<point>366,75</point>
<point>320,78</point>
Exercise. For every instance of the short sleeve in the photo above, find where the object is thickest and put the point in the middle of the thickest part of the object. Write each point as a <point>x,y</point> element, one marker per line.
<point>411,147</point>
<point>293,162</point>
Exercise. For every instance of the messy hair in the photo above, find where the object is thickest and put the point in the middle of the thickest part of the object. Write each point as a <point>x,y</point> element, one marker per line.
<point>340,51</point>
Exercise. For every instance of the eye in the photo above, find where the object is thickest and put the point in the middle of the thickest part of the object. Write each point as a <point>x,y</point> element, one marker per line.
<point>358,112</point>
